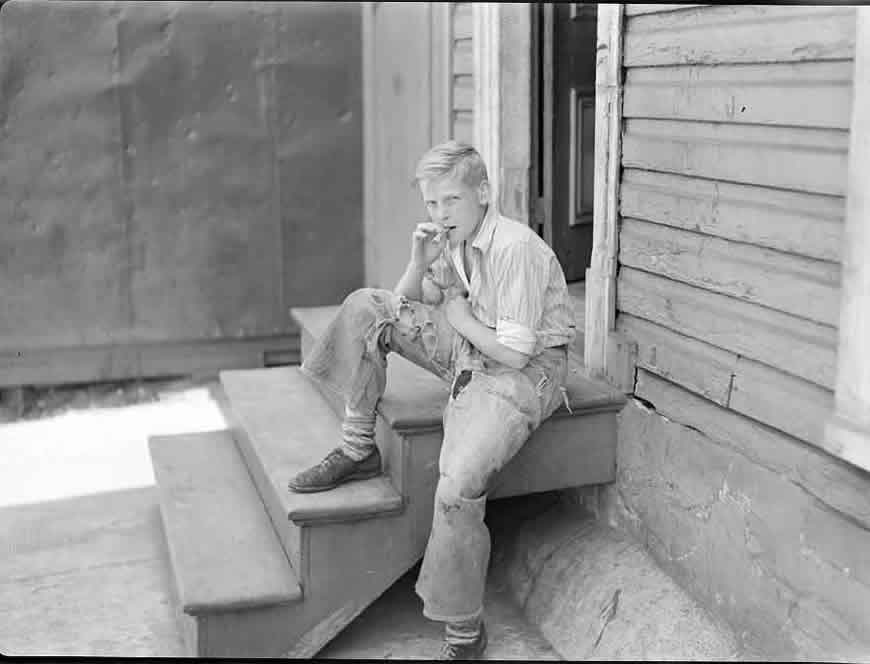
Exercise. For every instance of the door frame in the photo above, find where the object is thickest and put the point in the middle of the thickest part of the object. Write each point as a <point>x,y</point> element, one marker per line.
<point>498,127</point>
<point>603,354</point>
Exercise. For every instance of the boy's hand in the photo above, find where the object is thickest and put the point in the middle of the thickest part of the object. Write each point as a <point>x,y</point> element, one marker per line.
<point>427,243</point>
<point>457,308</point>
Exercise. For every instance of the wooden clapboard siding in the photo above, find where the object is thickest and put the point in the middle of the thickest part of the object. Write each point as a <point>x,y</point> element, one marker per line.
<point>765,394</point>
<point>463,126</point>
<point>734,155</point>
<point>789,404</point>
<point>463,62</point>
<point>723,34</point>
<point>462,81</point>
<point>795,345</point>
<point>802,94</point>
<point>791,221</point>
<point>634,10</point>
<point>462,20</point>
<point>695,365</point>
<point>809,160</point>
<point>463,92</point>
<point>801,286</point>
<point>838,484</point>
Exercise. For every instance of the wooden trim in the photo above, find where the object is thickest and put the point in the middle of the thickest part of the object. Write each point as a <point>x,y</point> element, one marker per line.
<point>601,275</point>
<point>486,28</point>
<point>84,364</point>
<point>547,121</point>
<point>370,257</point>
<point>848,431</point>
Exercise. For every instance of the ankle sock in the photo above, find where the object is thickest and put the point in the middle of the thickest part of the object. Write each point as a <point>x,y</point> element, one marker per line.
<point>357,434</point>
<point>463,632</point>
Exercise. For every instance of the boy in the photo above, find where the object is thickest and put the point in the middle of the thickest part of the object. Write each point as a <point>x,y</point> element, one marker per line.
<point>484,305</point>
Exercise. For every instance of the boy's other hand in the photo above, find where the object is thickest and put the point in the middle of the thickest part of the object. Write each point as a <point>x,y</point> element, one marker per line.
<point>457,308</point>
<point>428,241</point>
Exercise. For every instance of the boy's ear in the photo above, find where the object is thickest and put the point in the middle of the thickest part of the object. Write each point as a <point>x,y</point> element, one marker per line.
<point>483,192</point>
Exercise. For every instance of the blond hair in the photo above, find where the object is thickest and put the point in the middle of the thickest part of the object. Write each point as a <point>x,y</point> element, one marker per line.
<point>454,159</point>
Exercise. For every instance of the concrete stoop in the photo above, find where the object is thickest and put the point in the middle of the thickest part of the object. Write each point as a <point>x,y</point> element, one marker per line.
<point>596,594</point>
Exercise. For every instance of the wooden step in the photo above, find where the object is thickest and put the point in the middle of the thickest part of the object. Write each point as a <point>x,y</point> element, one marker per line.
<point>237,594</point>
<point>223,548</point>
<point>571,448</point>
<point>282,426</point>
<point>224,553</point>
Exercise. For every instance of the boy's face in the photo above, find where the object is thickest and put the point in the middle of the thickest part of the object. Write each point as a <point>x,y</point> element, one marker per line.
<point>451,202</point>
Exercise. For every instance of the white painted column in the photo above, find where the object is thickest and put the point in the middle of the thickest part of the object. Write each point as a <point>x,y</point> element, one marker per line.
<point>601,274</point>
<point>848,431</point>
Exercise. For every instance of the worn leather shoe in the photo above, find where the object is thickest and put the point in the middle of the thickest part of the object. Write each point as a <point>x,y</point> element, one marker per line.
<point>336,468</point>
<point>465,651</point>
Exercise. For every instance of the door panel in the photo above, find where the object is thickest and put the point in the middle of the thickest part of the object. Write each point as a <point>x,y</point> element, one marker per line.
<point>574,41</point>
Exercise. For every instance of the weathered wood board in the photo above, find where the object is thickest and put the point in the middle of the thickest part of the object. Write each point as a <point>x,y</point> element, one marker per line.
<point>796,285</point>
<point>721,34</point>
<point>462,25</point>
<point>759,391</point>
<point>697,366</point>
<point>463,92</point>
<point>792,405</point>
<point>637,9</point>
<point>809,160</point>
<point>802,94</point>
<point>790,221</point>
<point>463,126</point>
<point>834,482</point>
<point>463,62</point>
<point>797,346</point>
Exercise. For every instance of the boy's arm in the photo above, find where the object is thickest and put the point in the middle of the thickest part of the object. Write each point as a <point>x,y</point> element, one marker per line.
<point>483,338</point>
<point>415,284</point>
<point>521,278</point>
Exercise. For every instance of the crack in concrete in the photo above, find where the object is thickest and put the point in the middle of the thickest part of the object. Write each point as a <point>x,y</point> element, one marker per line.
<point>608,612</point>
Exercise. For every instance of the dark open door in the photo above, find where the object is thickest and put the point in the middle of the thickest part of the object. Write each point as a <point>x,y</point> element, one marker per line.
<point>565,130</point>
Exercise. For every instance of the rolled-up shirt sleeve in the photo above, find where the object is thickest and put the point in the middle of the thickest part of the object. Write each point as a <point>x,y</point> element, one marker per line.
<point>521,282</point>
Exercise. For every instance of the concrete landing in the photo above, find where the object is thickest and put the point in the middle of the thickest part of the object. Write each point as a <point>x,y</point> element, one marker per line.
<point>596,594</point>
<point>89,576</point>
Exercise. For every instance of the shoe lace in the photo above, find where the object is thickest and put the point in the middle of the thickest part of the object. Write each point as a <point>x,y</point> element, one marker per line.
<point>449,651</point>
<point>331,459</point>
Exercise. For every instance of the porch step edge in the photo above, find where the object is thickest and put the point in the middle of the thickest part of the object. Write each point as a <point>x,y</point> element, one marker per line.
<point>223,549</point>
<point>283,425</point>
<point>420,409</point>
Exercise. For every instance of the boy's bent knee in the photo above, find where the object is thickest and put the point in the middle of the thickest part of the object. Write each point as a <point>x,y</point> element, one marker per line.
<point>459,487</point>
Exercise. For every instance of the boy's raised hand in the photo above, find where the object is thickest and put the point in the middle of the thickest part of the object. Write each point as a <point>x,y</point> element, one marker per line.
<point>427,243</point>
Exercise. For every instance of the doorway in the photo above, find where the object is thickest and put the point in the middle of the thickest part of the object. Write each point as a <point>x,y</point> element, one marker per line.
<point>563,130</point>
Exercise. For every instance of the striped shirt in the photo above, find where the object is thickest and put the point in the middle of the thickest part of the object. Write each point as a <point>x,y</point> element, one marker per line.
<point>517,286</point>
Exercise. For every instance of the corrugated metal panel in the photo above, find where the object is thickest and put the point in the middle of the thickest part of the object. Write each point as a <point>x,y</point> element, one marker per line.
<point>155,157</point>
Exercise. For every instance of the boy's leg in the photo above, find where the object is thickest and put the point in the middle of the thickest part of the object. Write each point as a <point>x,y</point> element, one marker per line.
<point>350,359</point>
<point>486,423</point>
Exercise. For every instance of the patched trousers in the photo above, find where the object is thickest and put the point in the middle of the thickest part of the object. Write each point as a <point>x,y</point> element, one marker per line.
<point>491,411</point>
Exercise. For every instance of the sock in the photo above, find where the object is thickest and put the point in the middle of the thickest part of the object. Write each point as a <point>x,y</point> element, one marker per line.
<point>463,632</point>
<point>357,434</point>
